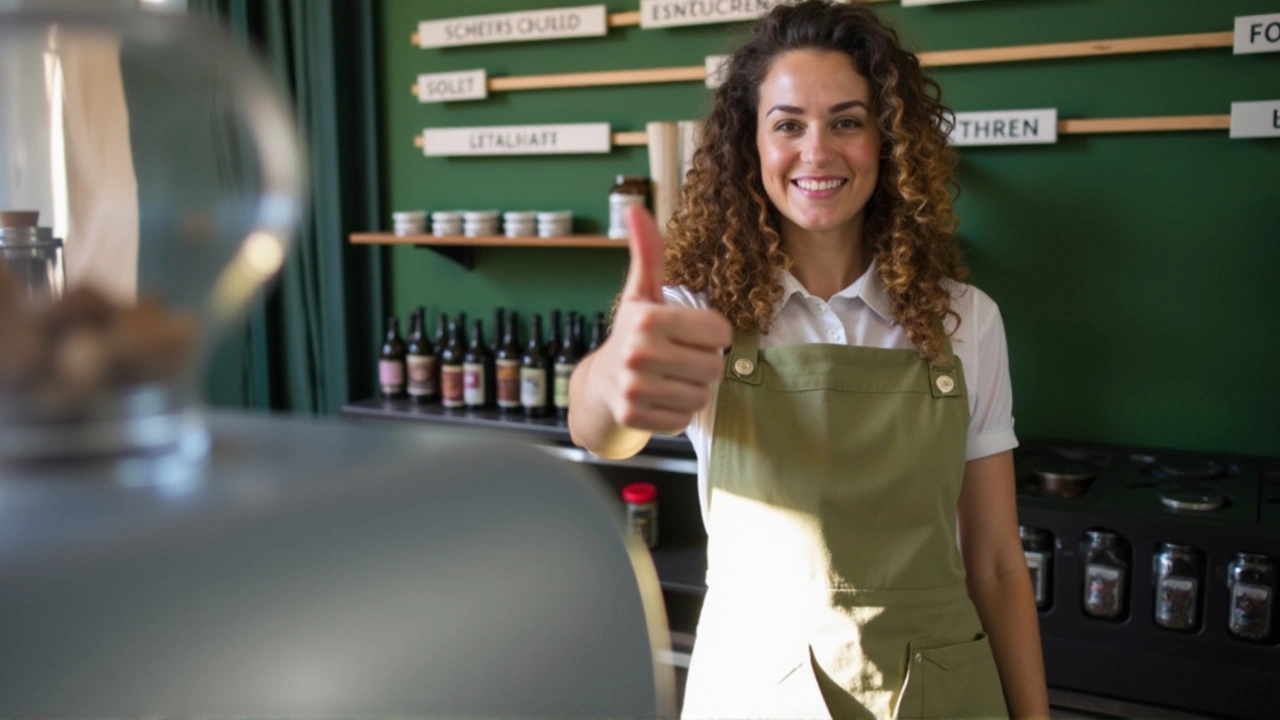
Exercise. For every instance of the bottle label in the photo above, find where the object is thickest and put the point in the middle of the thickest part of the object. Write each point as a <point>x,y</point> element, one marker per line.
<point>451,385</point>
<point>473,384</point>
<point>1176,603</point>
<point>1250,611</point>
<point>533,387</point>
<point>391,375</point>
<point>508,372</point>
<point>563,371</point>
<point>1104,590</point>
<point>618,203</point>
<point>422,375</point>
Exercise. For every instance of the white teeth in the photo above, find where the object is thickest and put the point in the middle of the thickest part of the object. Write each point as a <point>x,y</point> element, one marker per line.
<point>812,185</point>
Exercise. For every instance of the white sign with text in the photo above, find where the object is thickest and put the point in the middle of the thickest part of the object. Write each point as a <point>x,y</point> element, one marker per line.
<point>573,138</point>
<point>1255,119</point>
<point>584,21</point>
<point>1006,127</point>
<point>1257,34</point>
<point>674,13</point>
<point>450,86</point>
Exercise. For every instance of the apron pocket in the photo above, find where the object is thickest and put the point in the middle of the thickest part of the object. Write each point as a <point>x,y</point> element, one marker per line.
<point>953,680</point>
<point>799,694</point>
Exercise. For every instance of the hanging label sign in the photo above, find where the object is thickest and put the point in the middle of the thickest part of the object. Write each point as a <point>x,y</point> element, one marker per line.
<point>449,86</point>
<point>1255,119</point>
<point>585,21</point>
<point>1006,127</point>
<point>518,140</point>
<point>716,66</point>
<point>674,13</point>
<point>1257,34</point>
<point>911,3</point>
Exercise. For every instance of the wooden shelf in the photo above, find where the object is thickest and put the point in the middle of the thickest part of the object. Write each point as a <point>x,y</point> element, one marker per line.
<point>577,241</point>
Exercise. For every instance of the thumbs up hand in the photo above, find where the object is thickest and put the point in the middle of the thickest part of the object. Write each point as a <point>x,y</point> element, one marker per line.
<point>660,361</point>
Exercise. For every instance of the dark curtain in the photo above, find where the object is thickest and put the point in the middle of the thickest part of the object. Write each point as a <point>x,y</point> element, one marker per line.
<point>310,345</point>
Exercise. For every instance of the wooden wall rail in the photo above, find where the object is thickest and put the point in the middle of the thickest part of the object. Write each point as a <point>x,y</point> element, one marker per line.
<point>941,58</point>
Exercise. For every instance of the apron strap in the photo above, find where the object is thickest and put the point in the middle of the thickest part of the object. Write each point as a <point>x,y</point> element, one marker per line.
<point>943,380</point>
<point>743,361</point>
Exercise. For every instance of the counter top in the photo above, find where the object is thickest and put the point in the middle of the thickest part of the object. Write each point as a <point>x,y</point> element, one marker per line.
<point>681,563</point>
<point>546,428</point>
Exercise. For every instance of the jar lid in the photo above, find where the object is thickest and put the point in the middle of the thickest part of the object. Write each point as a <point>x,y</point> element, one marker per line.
<point>520,215</point>
<point>555,216</point>
<point>19,218</point>
<point>446,215</point>
<point>1102,535</point>
<point>479,215</point>
<point>1250,557</point>
<point>639,493</point>
<point>409,215</point>
<point>630,179</point>
<point>1192,499</point>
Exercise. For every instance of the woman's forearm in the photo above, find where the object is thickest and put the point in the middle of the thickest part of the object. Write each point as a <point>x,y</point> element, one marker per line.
<point>1006,606</point>
<point>591,425</point>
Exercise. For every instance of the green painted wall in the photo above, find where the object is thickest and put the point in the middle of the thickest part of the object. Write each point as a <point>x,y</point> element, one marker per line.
<point>1137,273</point>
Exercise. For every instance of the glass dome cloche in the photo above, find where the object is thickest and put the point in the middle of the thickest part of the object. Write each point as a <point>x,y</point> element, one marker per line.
<point>151,181</point>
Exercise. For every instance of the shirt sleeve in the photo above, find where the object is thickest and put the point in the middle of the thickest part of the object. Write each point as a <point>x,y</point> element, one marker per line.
<point>991,426</point>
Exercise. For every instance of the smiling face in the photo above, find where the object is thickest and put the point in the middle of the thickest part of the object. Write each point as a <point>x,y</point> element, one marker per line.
<point>818,141</point>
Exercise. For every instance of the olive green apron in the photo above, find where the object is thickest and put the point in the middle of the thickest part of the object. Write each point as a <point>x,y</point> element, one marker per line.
<point>835,584</point>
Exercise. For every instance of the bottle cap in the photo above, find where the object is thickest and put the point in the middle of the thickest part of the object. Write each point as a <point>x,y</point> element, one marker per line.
<point>639,493</point>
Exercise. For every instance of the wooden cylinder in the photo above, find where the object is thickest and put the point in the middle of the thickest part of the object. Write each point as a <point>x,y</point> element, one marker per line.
<point>664,169</point>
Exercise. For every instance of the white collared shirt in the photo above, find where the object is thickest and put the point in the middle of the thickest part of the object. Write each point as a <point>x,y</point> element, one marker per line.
<point>860,315</point>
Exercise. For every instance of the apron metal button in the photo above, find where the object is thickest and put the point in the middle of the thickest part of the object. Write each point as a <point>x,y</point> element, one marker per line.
<point>919,657</point>
<point>743,366</point>
<point>945,383</point>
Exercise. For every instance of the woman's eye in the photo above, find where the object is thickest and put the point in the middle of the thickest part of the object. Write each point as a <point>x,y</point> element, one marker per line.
<point>848,123</point>
<point>787,126</point>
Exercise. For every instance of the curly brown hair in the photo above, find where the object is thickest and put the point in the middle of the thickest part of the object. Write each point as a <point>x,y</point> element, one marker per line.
<point>724,240</point>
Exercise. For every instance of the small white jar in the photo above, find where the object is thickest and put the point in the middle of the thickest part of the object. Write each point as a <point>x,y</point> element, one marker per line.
<point>409,222</point>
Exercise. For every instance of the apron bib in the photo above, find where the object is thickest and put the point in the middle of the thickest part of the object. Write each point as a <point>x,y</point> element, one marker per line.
<point>835,584</point>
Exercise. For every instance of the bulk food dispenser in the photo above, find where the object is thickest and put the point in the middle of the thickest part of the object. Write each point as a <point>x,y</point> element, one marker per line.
<point>150,185</point>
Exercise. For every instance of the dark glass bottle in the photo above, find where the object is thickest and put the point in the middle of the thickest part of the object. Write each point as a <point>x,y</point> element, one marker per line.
<point>534,369</point>
<point>507,367</point>
<point>498,325</point>
<point>475,363</point>
<point>442,333</point>
<point>420,362</point>
<point>566,361</point>
<point>451,381</point>
<point>573,331</point>
<point>553,334</point>
<point>391,362</point>
<point>597,333</point>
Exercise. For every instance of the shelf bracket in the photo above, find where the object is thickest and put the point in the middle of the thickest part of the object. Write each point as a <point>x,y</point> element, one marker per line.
<point>464,255</point>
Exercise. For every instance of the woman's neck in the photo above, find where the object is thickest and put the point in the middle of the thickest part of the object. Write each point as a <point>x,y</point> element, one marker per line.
<point>826,263</point>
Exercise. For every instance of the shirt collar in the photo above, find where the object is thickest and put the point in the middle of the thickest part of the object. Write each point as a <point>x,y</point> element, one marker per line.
<point>868,288</point>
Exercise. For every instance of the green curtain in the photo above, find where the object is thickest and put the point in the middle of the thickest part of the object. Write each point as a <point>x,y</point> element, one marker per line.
<point>309,346</point>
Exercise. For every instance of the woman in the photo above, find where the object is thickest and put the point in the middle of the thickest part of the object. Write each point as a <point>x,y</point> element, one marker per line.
<point>856,475</point>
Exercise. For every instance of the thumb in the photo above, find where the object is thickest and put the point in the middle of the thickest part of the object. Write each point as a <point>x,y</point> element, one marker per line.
<point>644,278</point>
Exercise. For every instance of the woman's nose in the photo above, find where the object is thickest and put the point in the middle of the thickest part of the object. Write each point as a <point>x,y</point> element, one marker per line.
<point>818,147</point>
